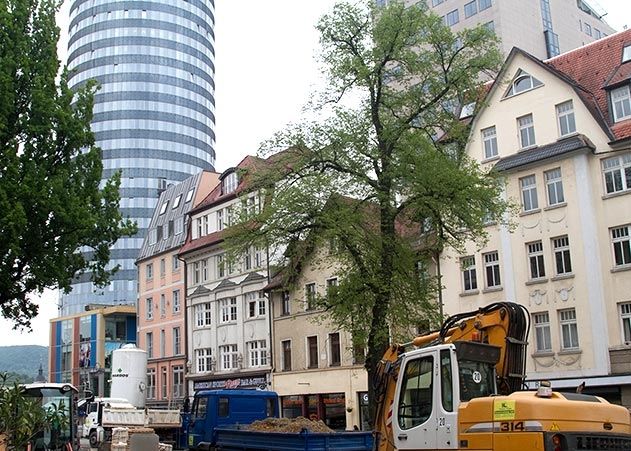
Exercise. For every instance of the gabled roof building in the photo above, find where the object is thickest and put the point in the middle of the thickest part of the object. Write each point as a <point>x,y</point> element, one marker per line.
<point>559,132</point>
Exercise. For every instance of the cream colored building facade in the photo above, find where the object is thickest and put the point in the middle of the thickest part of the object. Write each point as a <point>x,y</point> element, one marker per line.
<point>227,314</point>
<point>317,374</point>
<point>567,257</point>
<point>543,28</point>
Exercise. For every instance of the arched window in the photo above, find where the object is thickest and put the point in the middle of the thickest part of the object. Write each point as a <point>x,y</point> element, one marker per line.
<point>521,83</point>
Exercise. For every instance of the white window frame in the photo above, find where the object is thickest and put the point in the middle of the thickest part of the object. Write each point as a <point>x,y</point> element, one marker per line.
<point>469,275</point>
<point>229,355</point>
<point>621,245</point>
<point>149,344</point>
<point>562,255</point>
<point>489,142</point>
<point>195,274</point>
<point>258,354</point>
<point>203,360</point>
<point>625,321</point>
<point>554,186</point>
<point>149,308</point>
<point>163,343</point>
<point>175,263</point>
<point>189,195</point>
<point>492,276</point>
<point>177,340</point>
<point>151,383</point>
<point>536,257</point>
<point>176,301</point>
<point>228,309</point>
<point>256,303</point>
<point>452,17</point>
<point>199,227</point>
<point>526,129</point>
<point>203,314</point>
<point>176,202</point>
<point>617,173</point>
<point>220,223</point>
<point>178,381</point>
<point>621,103</point>
<point>204,270</point>
<point>543,333</point>
<point>529,198</point>
<point>220,266</point>
<point>569,324</point>
<point>565,118</point>
<point>178,225</point>
<point>163,305</point>
<point>149,271</point>
<point>470,9</point>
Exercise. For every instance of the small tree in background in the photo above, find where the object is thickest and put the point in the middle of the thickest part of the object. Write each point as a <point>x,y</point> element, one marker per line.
<point>50,170</point>
<point>374,175</point>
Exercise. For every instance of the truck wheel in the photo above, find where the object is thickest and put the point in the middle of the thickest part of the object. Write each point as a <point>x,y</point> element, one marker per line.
<point>94,441</point>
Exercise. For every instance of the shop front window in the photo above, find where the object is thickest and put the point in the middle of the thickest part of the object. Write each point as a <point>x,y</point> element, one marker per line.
<point>334,411</point>
<point>292,406</point>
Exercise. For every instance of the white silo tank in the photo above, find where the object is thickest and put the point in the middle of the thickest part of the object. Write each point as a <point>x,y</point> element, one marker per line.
<point>129,374</point>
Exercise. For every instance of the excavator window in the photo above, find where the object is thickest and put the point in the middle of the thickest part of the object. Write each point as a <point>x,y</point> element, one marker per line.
<point>446,385</point>
<point>477,379</point>
<point>415,399</point>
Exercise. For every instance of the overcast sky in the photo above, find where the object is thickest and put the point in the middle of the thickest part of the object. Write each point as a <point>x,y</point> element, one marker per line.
<point>265,70</point>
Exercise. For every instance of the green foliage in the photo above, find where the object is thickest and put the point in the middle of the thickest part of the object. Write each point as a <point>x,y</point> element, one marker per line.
<point>50,169</point>
<point>22,417</point>
<point>383,173</point>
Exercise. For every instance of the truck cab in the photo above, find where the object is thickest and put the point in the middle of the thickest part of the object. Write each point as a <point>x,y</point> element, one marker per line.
<point>221,408</point>
<point>433,382</point>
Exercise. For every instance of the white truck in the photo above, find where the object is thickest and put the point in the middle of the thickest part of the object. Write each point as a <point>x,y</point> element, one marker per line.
<point>126,407</point>
<point>105,414</point>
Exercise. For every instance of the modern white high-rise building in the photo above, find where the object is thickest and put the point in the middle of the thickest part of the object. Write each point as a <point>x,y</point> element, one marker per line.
<point>154,114</point>
<point>543,28</point>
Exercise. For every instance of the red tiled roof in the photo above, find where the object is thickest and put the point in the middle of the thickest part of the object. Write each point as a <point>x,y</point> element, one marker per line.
<point>595,67</point>
<point>198,243</point>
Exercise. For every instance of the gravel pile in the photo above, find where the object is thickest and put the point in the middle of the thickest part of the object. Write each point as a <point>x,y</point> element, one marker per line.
<point>289,425</point>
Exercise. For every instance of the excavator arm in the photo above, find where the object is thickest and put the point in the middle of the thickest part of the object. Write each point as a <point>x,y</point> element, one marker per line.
<point>504,325</point>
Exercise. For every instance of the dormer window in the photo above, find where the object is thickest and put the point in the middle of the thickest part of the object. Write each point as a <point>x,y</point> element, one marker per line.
<point>163,209</point>
<point>523,82</point>
<point>189,195</point>
<point>621,103</point>
<point>229,183</point>
<point>626,53</point>
<point>176,201</point>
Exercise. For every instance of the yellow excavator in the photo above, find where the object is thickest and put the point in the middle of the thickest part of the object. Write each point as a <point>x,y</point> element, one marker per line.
<point>459,388</point>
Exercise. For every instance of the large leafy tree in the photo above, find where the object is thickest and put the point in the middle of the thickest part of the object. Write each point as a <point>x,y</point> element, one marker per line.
<point>50,170</point>
<point>383,168</point>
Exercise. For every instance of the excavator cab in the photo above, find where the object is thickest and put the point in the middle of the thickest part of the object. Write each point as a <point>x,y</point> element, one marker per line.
<point>432,383</point>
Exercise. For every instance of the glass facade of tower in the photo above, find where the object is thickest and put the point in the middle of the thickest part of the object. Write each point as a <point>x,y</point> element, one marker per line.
<point>154,113</point>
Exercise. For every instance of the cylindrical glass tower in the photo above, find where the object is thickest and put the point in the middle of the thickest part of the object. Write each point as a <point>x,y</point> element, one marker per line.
<point>154,114</point>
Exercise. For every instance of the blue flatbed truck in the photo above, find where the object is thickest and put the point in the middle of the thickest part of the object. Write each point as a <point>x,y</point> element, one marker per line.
<point>219,418</point>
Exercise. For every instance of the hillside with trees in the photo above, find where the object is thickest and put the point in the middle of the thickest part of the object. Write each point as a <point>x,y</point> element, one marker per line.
<point>24,360</point>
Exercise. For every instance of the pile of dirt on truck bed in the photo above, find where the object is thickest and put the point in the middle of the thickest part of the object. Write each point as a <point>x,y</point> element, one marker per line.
<point>289,425</point>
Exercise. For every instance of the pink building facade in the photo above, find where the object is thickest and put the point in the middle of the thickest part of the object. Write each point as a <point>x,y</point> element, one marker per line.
<point>161,291</point>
